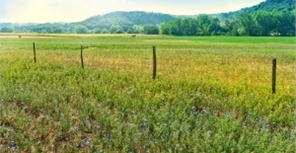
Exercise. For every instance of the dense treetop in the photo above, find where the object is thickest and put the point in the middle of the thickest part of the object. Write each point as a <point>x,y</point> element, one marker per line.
<point>268,5</point>
<point>271,5</point>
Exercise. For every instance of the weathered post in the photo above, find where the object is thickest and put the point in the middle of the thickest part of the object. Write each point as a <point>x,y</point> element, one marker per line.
<point>274,75</point>
<point>34,52</point>
<point>81,56</point>
<point>154,63</point>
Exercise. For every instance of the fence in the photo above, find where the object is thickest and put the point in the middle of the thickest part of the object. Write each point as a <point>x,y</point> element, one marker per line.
<point>154,65</point>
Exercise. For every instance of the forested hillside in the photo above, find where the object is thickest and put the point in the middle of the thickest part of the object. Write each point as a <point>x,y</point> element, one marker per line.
<point>268,5</point>
<point>271,5</point>
<point>126,19</point>
<point>272,17</point>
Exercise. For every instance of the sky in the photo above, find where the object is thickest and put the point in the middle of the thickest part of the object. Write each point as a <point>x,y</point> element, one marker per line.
<point>42,11</point>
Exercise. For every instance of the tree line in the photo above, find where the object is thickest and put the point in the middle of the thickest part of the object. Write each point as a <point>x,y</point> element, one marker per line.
<point>79,29</point>
<point>259,23</point>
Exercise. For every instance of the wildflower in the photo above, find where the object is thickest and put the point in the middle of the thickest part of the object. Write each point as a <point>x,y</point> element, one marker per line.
<point>12,143</point>
<point>167,134</point>
<point>79,145</point>
<point>228,115</point>
<point>108,135</point>
<point>193,108</point>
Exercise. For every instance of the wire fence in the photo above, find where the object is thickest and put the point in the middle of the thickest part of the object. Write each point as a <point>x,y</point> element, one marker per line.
<point>231,67</point>
<point>186,62</point>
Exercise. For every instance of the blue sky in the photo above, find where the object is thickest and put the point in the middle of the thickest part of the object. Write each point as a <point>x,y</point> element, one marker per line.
<point>40,11</point>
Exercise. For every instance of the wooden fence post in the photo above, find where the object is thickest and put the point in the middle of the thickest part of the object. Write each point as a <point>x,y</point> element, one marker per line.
<point>154,63</point>
<point>274,75</point>
<point>34,52</point>
<point>81,56</point>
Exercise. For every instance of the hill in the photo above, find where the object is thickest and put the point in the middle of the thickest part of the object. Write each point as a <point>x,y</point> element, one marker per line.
<point>271,5</point>
<point>268,5</point>
<point>136,20</point>
<point>126,19</point>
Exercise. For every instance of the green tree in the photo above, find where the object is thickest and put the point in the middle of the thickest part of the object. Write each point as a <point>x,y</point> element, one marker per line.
<point>202,25</point>
<point>214,26</point>
<point>116,29</point>
<point>246,25</point>
<point>129,31</point>
<point>97,30</point>
<point>230,28</point>
<point>49,29</point>
<point>105,31</point>
<point>285,24</point>
<point>151,29</point>
<point>262,23</point>
<point>165,28</point>
<point>137,29</point>
<point>81,29</point>
<point>6,30</point>
<point>59,30</point>
<point>192,27</point>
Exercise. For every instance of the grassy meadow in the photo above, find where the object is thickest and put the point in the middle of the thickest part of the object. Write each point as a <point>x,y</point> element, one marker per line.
<point>211,94</point>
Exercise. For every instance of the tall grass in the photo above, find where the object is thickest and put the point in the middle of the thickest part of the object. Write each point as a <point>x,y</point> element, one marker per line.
<point>211,94</point>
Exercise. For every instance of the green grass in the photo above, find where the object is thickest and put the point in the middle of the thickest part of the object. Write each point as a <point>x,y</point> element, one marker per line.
<point>211,94</point>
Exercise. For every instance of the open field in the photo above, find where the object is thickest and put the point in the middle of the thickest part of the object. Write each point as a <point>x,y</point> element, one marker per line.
<point>211,94</point>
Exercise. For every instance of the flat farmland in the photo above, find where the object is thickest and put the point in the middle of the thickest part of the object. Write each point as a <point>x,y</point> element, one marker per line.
<point>210,94</point>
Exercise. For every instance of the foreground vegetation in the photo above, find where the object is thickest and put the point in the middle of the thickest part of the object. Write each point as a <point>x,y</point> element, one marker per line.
<point>211,94</point>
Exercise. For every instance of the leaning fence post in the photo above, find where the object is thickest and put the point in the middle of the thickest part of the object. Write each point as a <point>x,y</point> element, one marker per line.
<point>34,52</point>
<point>154,63</point>
<point>274,75</point>
<point>81,56</point>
